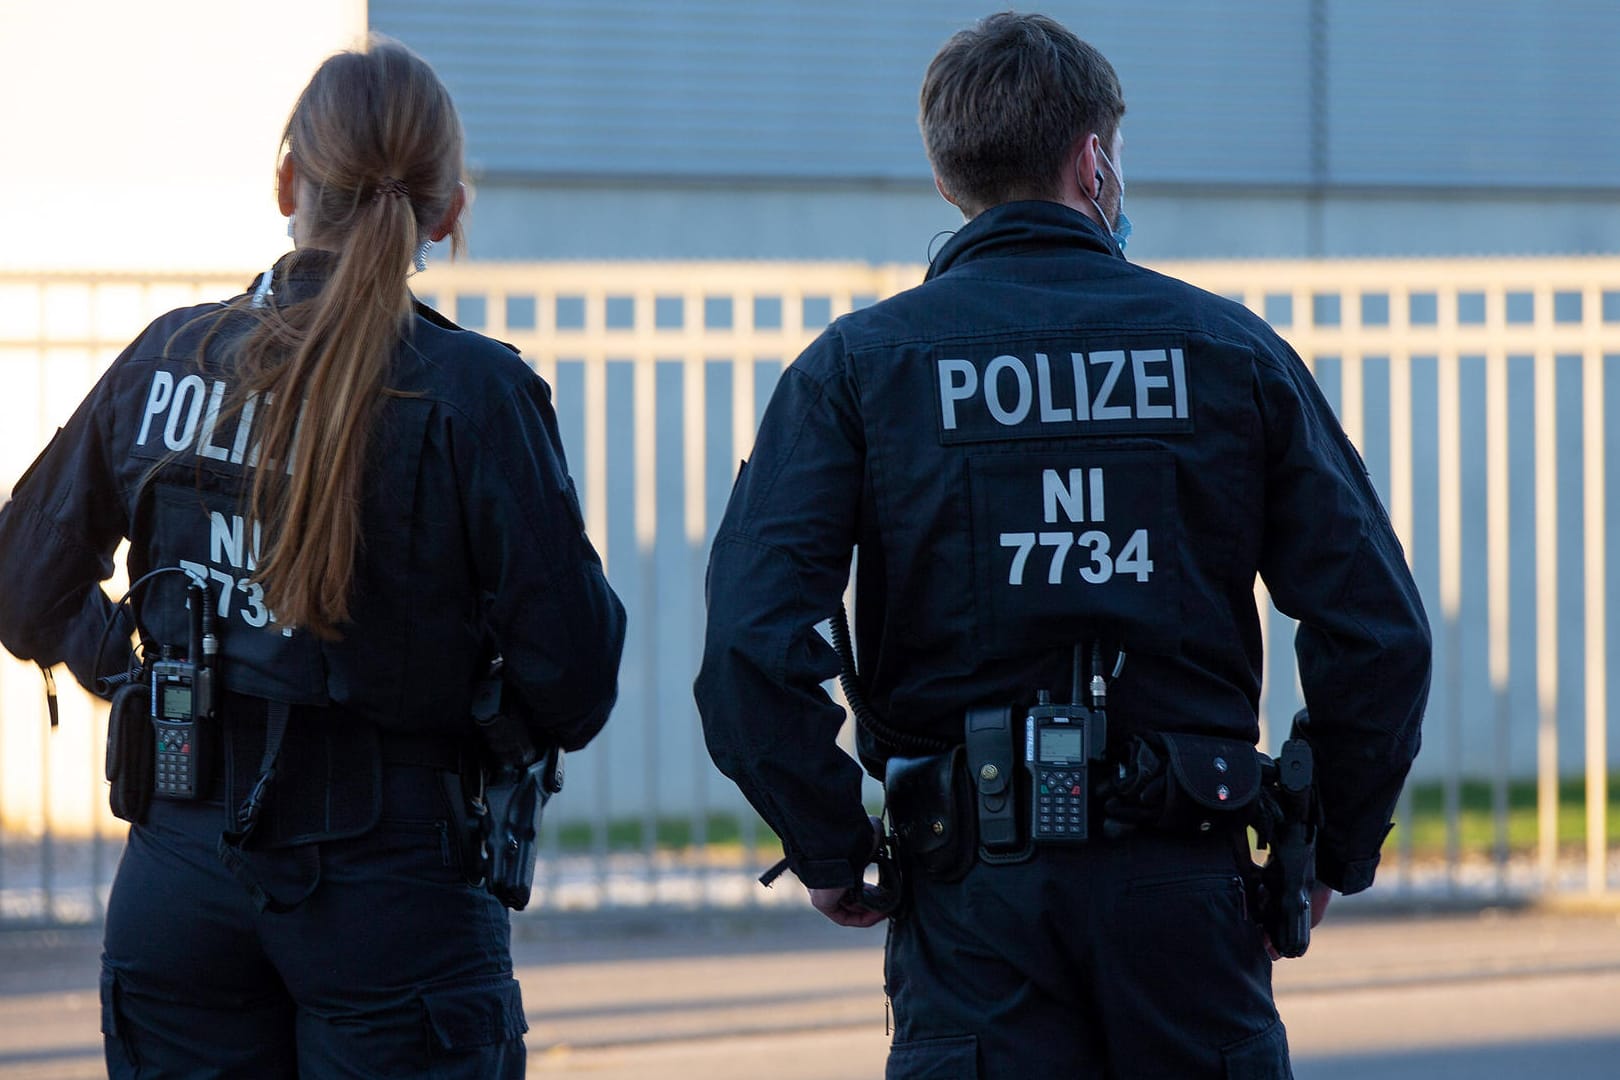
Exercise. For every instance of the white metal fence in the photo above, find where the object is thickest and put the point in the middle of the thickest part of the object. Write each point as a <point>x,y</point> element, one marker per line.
<point>1475,389</point>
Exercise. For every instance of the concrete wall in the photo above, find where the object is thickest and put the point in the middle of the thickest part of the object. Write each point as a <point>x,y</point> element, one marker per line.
<point>615,218</point>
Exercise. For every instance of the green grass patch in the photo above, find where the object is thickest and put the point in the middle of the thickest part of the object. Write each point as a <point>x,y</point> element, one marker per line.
<point>1477,816</point>
<point>669,834</point>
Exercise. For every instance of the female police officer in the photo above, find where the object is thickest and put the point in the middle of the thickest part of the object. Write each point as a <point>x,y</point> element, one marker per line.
<point>376,501</point>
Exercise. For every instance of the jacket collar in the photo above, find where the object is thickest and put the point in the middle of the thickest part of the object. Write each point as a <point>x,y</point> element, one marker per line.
<point>298,275</point>
<point>1023,228</point>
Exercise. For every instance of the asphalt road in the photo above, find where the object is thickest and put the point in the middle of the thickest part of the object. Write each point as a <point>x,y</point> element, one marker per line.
<point>1485,995</point>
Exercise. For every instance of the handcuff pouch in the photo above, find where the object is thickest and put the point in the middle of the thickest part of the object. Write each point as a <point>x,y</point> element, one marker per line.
<point>930,810</point>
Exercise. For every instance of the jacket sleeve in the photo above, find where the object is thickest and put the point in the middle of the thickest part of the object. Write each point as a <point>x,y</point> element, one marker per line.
<point>558,624</point>
<point>58,533</point>
<point>1332,561</point>
<point>779,566</point>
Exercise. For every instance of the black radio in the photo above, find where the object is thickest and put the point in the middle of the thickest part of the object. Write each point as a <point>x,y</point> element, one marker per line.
<point>182,707</point>
<point>176,748</point>
<point>1060,742</point>
<point>1056,738</point>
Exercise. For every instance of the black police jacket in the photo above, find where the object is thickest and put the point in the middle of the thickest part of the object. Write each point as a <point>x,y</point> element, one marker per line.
<point>472,536</point>
<point>1044,444</point>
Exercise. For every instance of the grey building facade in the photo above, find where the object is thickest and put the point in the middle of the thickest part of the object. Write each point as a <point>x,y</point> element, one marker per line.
<point>786,129</point>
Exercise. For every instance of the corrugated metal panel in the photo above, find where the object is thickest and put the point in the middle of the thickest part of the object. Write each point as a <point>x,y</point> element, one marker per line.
<point>827,88</point>
<point>1491,93</point>
<point>1497,93</point>
<point>1216,92</point>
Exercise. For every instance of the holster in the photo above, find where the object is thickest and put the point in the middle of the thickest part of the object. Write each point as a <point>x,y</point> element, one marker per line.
<point>929,800</point>
<point>511,780</point>
<point>514,799</point>
<point>1290,870</point>
<point>130,752</point>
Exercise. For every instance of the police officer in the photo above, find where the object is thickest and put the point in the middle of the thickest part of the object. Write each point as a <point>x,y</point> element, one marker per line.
<point>376,502</point>
<point>1041,446</point>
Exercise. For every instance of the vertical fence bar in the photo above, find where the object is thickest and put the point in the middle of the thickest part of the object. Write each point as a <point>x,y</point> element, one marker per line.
<point>43,322</point>
<point>98,715</point>
<point>596,525</point>
<point>1352,397</point>
<point>98,740</point>
<point>1402,476</point>
<point>1450,476</point>
<point>743,420</point>
<point>645,439</point>
<point>694,460</point>
<point>1497,595</point>
<point>548,876</point>
<point>743,423</point>
<point>47,837</point>
<point>1546,395</point>
<point>1597,638</point>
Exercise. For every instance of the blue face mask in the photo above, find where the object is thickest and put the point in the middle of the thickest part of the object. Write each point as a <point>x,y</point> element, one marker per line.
<point>1121,229</point>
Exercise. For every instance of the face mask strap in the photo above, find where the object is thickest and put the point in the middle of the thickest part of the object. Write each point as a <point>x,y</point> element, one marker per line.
<point>1120,230</point>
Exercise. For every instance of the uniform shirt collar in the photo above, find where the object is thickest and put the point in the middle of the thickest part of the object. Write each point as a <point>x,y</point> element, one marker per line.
<point>1021,228</point>
<point>299,274</point>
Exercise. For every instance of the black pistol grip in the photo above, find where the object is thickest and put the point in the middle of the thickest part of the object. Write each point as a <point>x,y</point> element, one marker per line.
<point>1296,767</point>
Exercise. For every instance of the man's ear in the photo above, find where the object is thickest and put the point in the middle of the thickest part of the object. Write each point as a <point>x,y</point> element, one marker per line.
<point>447,224</point>
<point>287,187</point>
<point>1088,168</point>
<point>939,186</point>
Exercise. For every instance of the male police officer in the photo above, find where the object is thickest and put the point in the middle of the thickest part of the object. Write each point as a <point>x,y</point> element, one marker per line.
<point>1040,447</point>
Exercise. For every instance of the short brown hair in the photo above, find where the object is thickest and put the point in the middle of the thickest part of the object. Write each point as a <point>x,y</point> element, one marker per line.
<point>1004,102</point>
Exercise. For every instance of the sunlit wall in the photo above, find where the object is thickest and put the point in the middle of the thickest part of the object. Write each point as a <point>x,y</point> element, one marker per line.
<point>144,135</point>
<point>138,137</point>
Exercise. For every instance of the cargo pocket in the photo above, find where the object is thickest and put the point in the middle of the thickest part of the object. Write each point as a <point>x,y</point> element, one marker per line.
<point>115,1033</point>
<point>469,1019</point>
<point>1261,1056</point>
<point>956,1058</point>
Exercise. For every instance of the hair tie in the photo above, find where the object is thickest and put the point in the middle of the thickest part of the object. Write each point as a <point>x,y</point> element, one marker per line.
<point>391,185</point>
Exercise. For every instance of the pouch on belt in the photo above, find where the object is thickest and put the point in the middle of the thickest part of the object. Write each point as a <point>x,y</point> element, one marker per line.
<point>1175,781</point>
<point>931,811</point>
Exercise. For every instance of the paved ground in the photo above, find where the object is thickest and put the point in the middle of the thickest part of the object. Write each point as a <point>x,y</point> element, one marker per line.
<point>1489,995</point>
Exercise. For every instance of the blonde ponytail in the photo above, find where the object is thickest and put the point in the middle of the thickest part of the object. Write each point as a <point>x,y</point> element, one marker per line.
<point>376,137</point>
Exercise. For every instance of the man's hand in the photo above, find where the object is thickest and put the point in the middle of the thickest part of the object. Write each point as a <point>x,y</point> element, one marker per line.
<point>839,905</point>
<point>842,906</point>
<point>1320,897</point>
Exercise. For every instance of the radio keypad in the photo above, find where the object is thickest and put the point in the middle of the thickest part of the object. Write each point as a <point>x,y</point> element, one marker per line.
<point>176,776</point>
<point>1060,803</point>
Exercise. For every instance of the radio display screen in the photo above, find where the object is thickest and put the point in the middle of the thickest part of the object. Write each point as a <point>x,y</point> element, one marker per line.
<point>176,702</point>
<point>1062,744</point>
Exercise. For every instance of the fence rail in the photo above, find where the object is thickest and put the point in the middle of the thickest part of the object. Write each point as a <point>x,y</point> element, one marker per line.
<point>1475,389</point>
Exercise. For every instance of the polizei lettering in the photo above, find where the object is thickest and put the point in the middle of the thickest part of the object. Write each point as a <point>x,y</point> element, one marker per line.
<point>184,414</point>
<point>1094,391</point>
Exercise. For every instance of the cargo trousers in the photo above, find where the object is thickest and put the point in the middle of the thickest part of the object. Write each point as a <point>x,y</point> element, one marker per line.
<point>394,966</point>
<point>1116,959</point>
